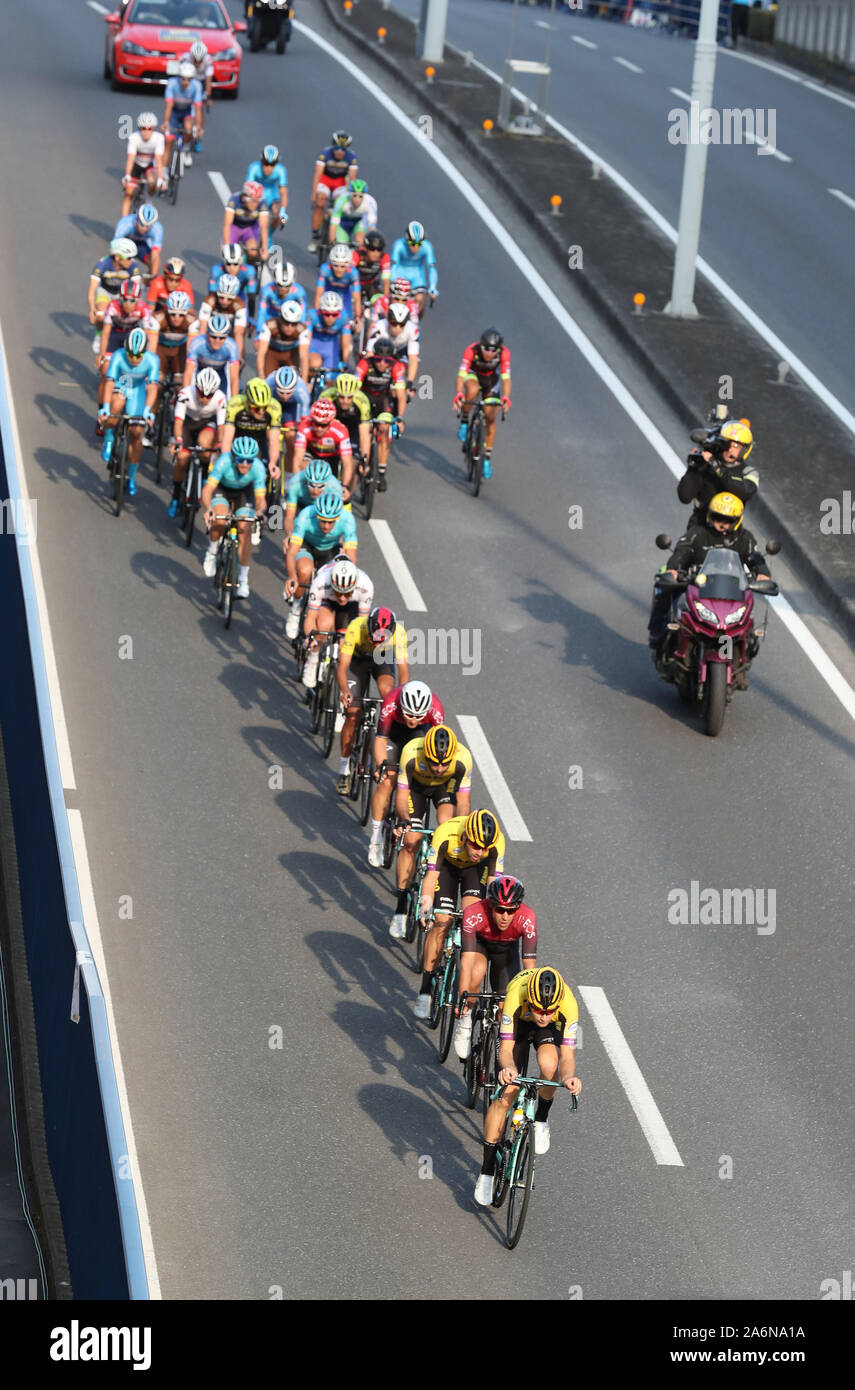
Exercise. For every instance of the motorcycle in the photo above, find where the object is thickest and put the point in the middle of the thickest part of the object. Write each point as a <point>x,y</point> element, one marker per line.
<point>268,21</point>
<point>712,637</point>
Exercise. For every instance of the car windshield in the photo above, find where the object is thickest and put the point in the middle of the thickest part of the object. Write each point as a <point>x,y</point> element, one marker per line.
<point>178,14</point>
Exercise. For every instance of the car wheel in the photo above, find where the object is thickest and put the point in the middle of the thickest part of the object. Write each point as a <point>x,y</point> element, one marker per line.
<point>231,95</point>
<point>106,69</point>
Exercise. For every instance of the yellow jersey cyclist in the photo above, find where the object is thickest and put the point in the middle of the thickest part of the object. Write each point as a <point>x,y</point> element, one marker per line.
<point>466,853</point>
<point>435,768</point>
<point>353,410</point>
<point>372,646</point>
<point>540,1010</point>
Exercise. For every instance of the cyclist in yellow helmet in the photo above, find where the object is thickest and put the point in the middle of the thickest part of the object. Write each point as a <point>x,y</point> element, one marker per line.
<point>353,409</point>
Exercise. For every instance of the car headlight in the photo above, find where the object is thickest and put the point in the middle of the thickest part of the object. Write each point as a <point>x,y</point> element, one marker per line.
<point>706,613</point>
<point>226,56</point>
<point>128,47</point>
<point>737,615</point>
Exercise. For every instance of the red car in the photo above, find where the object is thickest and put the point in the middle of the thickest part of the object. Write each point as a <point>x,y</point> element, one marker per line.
<point>146,39</point>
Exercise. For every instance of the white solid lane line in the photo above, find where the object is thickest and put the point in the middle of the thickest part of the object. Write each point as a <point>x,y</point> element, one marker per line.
<point>629,1075</point>
<point>93,932</point>
<point>684,96</point>
<point>394,558</point>
<point>511,823</point>
<point>99,9</point>
<point>586,43</point>
<point>222,188</point>
<point>625,63</point>
<point>657,441</point>
<point>791,77</point>
<point>835,193</point>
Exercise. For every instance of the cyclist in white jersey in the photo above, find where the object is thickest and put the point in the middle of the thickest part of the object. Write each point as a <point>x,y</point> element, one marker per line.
<point>144,160</point>
<point>204,65</point>
<point>200,418</point>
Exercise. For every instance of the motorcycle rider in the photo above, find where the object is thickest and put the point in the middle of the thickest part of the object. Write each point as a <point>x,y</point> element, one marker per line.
<point>720,465</point>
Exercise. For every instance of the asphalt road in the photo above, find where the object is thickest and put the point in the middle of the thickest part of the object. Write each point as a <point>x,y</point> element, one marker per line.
<point>301,1167</point>
<point>770,228</point>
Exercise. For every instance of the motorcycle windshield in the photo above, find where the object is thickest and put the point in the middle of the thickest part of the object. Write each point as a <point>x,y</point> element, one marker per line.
<point>721,576</point>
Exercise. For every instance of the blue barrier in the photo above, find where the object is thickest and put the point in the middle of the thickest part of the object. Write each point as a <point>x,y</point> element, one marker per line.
<point>83,1121</point>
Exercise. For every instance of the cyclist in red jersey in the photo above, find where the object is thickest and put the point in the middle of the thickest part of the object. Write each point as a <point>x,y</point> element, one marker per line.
<point>322,436</point>
<point>485,367</point>
<point>492,932</point>
<point>384,381</point>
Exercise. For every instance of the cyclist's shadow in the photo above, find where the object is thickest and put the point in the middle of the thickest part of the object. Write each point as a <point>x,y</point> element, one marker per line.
<point>342,888</point>
<point>102,231</point>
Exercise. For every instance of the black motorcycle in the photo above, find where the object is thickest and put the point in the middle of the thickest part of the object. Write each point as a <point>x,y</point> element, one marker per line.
<point>268,21</point>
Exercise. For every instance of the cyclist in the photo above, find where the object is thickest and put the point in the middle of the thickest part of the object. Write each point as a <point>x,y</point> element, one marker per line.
<point>283,340</point>
<point>402,330</point>
<point>282,288</point>
<point>173,324</point>
<point>183,108</point>
<point>304,487</point>
<point>204,67</point>
<point>235,485</point>
<point>339,593</point>
<point>322,436</point>
<point>435,768</point>
<point>320,532</point>
<point>172,281</point>
<point>334,167</point>
<point>329,327</point>
<point>106,279</point>
<point>200,418</point>
<point>128,311</point>
<point>233,261</point>
<point>413,256</point>
<point>214,348</point>
<point>353,213</point>
<point>465,854</point>
<point>539,1009</point>
<point>292,393</point>
<point>246,220</point>
<point>353,410</point>
<point>485,368</point>
<point>132,385</point>
<point>384,382</point>
<point>400,292</point>
<point>254,414</point>
<point>273,177</point>
<point>372,646</point>
<point>374,263</point>
<point>145,230</point>
<point>407,713</point>
<point>341,276</point>
<point>225,301</point>
<point>492,931</point>
<point>144,159</point>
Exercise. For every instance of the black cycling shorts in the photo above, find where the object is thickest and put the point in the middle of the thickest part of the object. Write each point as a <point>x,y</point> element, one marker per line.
<point>467,880</point>
<point>421,796</point>
<point>528,1034</point>
<point>504,959</point>
<point>362,668</point>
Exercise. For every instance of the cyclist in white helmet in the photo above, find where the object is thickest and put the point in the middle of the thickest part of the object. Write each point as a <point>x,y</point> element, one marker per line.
<point>204,65</point>
<point>144,159</point>
<point>339,593</point>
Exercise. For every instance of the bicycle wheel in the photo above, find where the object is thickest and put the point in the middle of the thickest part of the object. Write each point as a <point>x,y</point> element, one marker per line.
<point>191,490</point>
<point>490,1063</point>
<point>174,175</point>
<point>521,1184</point>
<point>389,855</point>
<point>436,980</point>
<point>473,1066</point>
<point>357,763</point>
<point>318,696</point>
<point>367,789</point>
<point>160,438</point>
<point>449,997</point>
<point>120,469</point>
<point>330,710</point>
<point>230,582</point>
<point>476,451</point>
<point>502,1170</point>
<point>369,482</point>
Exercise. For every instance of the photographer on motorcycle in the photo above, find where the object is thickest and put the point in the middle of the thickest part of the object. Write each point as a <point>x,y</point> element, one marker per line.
<point>721,528</point>
<point>720,464</point>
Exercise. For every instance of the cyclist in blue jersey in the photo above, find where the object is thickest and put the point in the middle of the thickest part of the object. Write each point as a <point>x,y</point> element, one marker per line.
<point>233,262</point>
<point>320,531</point>
<point>292,393</point>
<point>335,166</point>
<point>237,483</point>
<point>304,488</point>
<point>247,221</point>
<point>340,275</point>
<point>145,229</point>
<point>273,177</point>
<point>330,344</point>
<point>132,378</point>
<point>184,103</point>
<point>107,277</point>
<point>214,348</point>
<point>413,257</point>
<point>282,288</point>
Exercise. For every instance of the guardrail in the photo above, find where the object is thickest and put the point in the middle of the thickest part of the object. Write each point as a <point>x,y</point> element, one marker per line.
<point>84,1130</point>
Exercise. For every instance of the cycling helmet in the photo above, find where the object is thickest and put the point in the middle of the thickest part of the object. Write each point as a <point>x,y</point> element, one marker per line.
<point>207,381</point>
<point>357,186</point>
<point>291,311</point>
<point>147,215</point>
<point>232,254</point>
<point>545,989</point>
<point>322,412</point>
<point>135,342</point>
<point>725,507</point>
<point>257,393</point>
<point>401,288</point>
<point>505,891</point>
<point>174,266</point>
<point>318,472</point>
<point>198,51</point>
<point>384,347</point>
<point>270,155</point>
<point>491,340</point>
<point>146,120</point>
<point>245,448</point>
<point>228,286</point>
<point>398,313</point>
<point>340,254</point>
<point>734,432</point>
<point>285,380</point>
<point>347,384</point>
<point>328,506</point>
<point>284,275</point>
<point>252,190</point>
<point>218,326</point>
<point>415,233</point>
<point>124,247</point>
<point>130,288</point>
<point>178,302</point>
<point>344,576</point>
<point>482,829</point>
<point>186,71</point>
<point>341,139</point>
<point>381,625</point>
<point>440,744</point>
<point>416,699</point>
<point>331,303</point>
<point>375,241</point>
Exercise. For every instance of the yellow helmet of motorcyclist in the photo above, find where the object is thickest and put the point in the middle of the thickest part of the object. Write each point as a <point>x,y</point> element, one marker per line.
<point>737,432</point>
<point>725,507</point>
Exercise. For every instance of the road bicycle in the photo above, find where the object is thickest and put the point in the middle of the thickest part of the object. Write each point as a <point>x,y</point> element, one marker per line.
<point>118,464</point>
<point>369,472</point>
<point>194,481</point>
<point>226,574</point>
<point>480,1070</point>
<point>473,444</point>
<point>514,1172</point>
<point>443,987</point>
<point>362,756</point>
<point>162,430</point>
<point>179,159</point>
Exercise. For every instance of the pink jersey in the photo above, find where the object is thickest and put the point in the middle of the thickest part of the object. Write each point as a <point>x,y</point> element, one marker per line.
<point>390,713</point>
